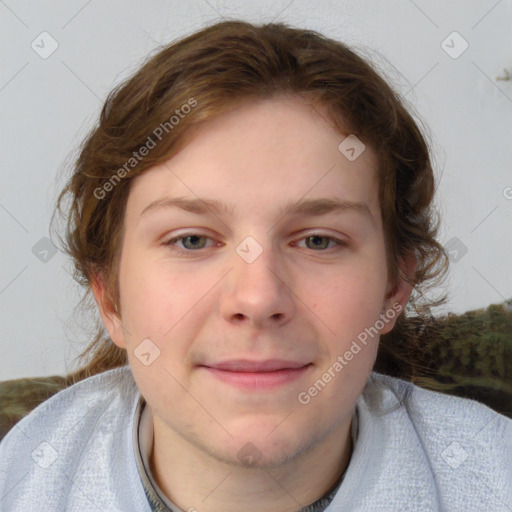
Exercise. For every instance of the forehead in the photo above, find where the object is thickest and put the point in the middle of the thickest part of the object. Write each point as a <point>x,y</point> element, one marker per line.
<point>268,152</point>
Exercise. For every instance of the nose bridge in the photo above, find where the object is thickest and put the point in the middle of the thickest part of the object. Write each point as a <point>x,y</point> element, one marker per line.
<point>256,264</point>
<point>257,288</point>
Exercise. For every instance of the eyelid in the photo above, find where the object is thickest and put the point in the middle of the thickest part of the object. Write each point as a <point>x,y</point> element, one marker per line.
<point>337,240</point>
<point>180,236</point>
<point>171,241</point>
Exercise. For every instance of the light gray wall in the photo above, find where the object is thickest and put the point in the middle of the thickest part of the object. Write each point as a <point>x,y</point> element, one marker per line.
<point>48,104</point>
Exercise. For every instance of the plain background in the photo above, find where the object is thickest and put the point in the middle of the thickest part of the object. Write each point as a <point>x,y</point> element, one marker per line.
<point>49,104</point>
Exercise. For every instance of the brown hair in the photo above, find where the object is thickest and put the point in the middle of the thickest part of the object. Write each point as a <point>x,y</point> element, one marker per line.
<point>211,72</point>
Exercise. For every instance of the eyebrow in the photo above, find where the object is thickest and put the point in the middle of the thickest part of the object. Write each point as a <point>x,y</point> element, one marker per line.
<point>304,207</point>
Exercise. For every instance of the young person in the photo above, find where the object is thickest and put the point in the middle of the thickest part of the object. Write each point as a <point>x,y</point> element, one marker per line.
<point>252,214</point>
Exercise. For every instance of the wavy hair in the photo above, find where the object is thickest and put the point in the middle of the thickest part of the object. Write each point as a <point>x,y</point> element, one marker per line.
<point>218,68</point>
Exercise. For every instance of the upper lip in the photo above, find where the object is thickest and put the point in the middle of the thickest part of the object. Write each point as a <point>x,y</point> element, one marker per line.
<point>244,365</point>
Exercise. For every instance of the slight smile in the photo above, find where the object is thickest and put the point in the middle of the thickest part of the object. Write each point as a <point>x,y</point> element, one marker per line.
<point>257,375</point>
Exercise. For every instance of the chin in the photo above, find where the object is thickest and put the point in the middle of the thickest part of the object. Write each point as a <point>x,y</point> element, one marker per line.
<point>258,456</point>
<point>264,446</point>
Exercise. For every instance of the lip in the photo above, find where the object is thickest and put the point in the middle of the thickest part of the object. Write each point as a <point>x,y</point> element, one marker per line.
<point>257,375</point>
<point>245,365</point>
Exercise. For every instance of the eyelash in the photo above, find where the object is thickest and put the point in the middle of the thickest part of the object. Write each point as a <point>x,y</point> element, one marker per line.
<point>190,252</point>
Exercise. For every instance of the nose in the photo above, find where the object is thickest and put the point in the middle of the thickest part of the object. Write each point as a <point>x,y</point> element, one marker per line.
<point>258,293</point>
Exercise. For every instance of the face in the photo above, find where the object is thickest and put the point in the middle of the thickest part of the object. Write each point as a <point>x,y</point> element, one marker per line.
<point>252,263</point>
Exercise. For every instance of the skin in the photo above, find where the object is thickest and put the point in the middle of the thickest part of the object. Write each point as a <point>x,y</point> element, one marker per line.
<point>302,299</point>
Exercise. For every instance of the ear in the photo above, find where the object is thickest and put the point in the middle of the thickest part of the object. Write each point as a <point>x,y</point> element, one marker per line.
<point>110,317</point>
<point>397,297</point>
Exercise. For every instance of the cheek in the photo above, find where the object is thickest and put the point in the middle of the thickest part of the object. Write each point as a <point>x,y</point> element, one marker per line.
<point>350,308</point>
<point>152,300</point>
<point>352,299</point>
<point>164,305</point>
<point>154,307</point>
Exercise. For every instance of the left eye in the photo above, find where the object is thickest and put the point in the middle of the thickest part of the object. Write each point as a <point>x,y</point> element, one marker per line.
<point>320,241</point>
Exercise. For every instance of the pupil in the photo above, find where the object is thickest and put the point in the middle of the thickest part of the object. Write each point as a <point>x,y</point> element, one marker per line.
<point>193,239</point>
<point>317,240</point>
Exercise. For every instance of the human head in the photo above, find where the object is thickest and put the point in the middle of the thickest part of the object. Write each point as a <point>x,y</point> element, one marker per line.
<point>211,72</point>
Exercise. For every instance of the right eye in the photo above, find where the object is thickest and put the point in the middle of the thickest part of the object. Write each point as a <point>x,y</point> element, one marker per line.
<point>191,242</point>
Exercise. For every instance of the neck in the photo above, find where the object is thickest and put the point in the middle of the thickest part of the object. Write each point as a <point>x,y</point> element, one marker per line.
<point>194,479</point>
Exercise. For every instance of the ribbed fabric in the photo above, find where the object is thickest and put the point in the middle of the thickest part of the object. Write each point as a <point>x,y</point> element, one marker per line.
<point>416,450</point>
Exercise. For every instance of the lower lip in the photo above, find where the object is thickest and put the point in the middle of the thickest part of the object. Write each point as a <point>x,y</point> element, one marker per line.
<point>258,380</point>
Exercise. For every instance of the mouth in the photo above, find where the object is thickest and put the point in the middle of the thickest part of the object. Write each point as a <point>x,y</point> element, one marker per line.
<point>257,375</point>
